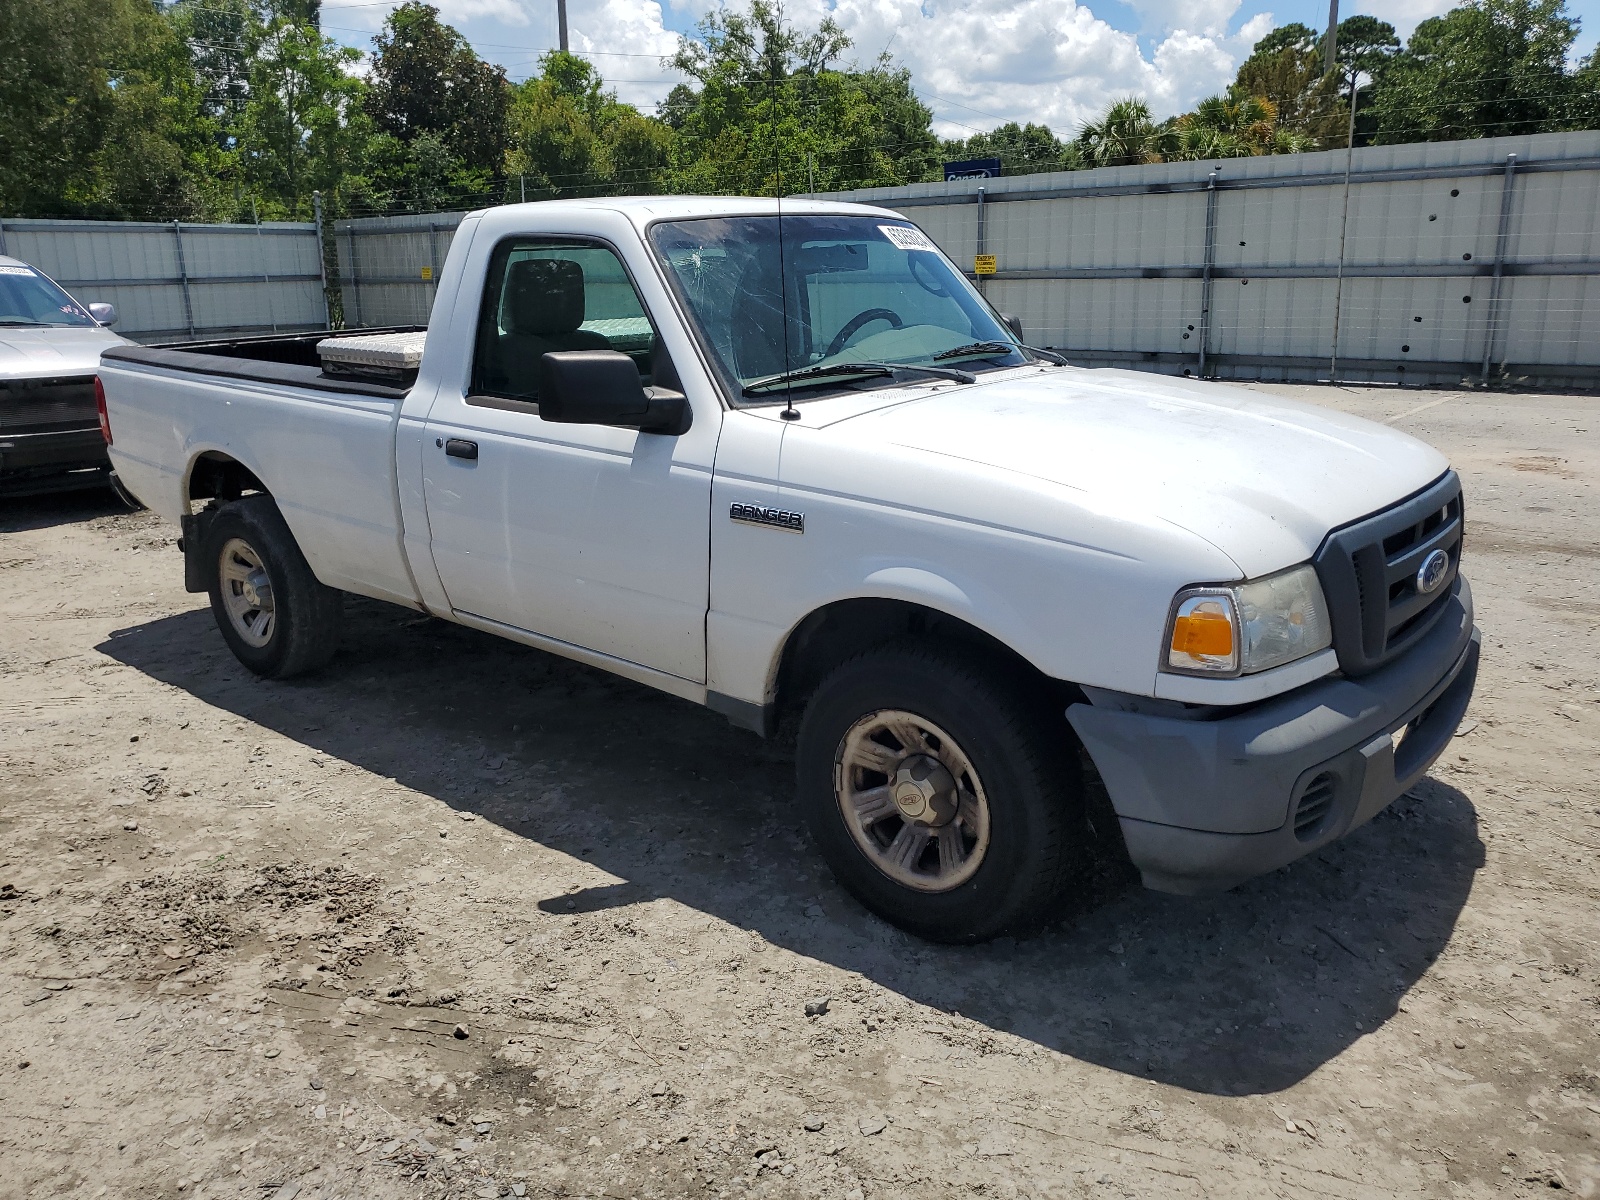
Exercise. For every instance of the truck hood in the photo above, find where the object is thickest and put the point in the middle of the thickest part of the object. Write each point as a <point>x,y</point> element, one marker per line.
<point>30,352</point>
<point>1264,479</point>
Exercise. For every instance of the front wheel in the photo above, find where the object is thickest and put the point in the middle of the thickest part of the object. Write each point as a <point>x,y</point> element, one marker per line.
<point>276,617</point>
<point>940,793</point>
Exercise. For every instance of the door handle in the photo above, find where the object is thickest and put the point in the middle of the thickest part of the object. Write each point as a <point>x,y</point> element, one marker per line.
<point>461,448</point>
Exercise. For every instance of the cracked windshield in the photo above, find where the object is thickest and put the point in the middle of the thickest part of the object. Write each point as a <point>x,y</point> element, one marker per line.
<point>851,301</point>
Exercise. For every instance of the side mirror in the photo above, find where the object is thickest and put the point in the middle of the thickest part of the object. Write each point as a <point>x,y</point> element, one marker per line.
<point>602,387</point>
<point>1014,324</point>
<point>103,313</point>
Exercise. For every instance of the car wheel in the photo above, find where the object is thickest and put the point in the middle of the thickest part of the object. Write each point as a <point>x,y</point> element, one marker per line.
<point>274,614</point>
<point>941,794</point>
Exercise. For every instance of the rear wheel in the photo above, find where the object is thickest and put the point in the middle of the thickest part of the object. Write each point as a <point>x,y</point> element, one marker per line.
<point>940,793</point>
<point>274,614</point>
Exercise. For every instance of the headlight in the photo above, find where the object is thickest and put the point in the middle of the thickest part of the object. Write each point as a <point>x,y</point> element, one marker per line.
<point>1249,627</point>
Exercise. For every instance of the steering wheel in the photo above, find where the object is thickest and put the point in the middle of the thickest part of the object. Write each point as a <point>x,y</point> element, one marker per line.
<point>854,324</point>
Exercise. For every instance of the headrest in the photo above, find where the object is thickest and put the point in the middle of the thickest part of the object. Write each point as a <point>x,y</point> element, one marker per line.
<point>544,296</point>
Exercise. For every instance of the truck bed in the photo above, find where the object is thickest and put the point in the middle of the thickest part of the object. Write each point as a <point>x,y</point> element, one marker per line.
<point>324,446</point>
<point>290,359</point>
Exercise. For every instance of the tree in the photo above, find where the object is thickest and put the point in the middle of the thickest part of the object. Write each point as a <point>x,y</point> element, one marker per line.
<point>100,113</point>
<point>1021,149</point>
<point>1486,69</point>
<point>426,79</point>
<point>769,111</point>
<point>1124,136</point>
<point>304,128</point>
<point>1234,125</point>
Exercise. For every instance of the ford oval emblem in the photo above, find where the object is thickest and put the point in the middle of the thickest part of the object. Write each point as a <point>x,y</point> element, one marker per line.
<point>1432,572</point>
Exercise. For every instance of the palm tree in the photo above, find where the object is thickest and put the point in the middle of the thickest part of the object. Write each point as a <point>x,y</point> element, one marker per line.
<point>1125,136</point>
<point>1236,125</point>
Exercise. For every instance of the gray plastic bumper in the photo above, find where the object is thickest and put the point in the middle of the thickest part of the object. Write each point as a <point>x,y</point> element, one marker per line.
<point>1205,804</point>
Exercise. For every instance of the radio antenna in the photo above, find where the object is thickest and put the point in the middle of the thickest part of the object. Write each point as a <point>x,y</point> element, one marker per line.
<point>789,413</point>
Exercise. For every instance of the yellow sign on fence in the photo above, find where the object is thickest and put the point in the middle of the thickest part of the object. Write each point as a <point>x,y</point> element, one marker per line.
<point>427,274</point>
<point>983,264</point>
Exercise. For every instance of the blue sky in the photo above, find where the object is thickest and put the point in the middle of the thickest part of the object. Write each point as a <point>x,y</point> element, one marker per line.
<point>976,63</point>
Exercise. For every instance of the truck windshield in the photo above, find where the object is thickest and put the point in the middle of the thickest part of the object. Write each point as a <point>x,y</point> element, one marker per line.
<point>28,298</point>
<point>787,318</point>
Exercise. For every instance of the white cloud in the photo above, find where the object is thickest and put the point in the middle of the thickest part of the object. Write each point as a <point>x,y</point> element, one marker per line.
<point>976,63</point>
<point>980,63</point>
<point>1210,17</point>
<point>1406,15</point>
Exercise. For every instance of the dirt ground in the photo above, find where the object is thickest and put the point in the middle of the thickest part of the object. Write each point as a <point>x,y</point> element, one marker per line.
<point>458,918</point>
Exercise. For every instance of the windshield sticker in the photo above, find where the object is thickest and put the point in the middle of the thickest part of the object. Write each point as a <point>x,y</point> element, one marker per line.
<point>17,271</point>
<point>907,238</point>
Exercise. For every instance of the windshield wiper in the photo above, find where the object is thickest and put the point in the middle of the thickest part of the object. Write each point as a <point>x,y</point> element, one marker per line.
<point>977,350</point>
<point>823,371</point>
<point>11,321</point>
<point>985,349</point>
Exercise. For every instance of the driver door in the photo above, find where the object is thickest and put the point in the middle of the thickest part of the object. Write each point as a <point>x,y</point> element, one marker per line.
<point>594,536</point>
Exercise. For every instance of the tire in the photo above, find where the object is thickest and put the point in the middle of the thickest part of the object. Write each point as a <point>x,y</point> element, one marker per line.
<point>1004,827</point>
<point>291,625</point>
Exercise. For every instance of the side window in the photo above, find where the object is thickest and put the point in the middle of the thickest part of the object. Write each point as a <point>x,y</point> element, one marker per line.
<point>543,295</point>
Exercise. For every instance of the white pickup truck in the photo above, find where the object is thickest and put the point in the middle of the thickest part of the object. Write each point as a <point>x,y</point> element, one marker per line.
<point>790,461</point>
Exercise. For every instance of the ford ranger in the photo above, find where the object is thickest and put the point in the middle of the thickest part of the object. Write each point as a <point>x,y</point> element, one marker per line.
<point>785,461</point>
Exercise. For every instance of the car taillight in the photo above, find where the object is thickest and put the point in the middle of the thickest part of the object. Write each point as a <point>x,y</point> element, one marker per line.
<point>100,407</point>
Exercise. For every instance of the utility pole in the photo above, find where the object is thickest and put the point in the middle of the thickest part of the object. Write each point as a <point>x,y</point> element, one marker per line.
<point>561,21</point>
<point>1330,43</point>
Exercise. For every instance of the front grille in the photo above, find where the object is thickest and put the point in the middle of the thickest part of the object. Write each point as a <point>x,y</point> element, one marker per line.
<point>1368,570</point>
<point>43,405</point>
<point>1314,804</point>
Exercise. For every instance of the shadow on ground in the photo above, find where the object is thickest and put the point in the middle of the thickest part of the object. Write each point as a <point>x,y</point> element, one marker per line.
<point>19,513</point>
<point>1242,993</point>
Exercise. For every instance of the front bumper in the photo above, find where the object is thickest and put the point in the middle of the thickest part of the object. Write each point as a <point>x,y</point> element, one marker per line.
<point>1205,804</point>
<point>52,460</point>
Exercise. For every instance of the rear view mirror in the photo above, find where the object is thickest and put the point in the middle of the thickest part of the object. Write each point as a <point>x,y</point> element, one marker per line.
<point>103,313</point>
<point>1014,324</point>
<point>602,387</point>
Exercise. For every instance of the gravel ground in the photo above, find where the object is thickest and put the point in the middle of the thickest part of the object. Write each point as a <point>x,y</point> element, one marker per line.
<point>457,918</point>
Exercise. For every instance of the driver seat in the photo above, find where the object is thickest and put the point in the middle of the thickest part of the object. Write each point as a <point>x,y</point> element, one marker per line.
<point>544,307</point>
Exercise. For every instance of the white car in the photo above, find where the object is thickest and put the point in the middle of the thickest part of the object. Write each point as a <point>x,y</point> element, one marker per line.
<point>790,461</point>
<point>49,351</point>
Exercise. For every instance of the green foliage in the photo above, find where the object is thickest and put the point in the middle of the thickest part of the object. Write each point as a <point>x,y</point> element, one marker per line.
<point>1124,136</point>
<point>303,128</point>
<point>228,109</point>
<point>769,112</point>
<point>99,112</point>
<point>426,81</point>
<point>1021,149</point>
<point>570,136</point>
<point>1487,69</point>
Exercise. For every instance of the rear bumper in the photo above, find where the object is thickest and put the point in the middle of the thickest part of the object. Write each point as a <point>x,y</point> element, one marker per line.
<point>1206,804</point>
<point>54,459</point>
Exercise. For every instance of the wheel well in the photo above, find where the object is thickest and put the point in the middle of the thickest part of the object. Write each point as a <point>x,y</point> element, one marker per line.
<point>215,476</point>
<point>844,629</point>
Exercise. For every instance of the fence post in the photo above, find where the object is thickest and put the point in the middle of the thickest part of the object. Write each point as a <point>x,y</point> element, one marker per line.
<point>1210,261</point>
<point>355,273</point>
<point>433,259</point>
<point>1501,237</point>
<point>983,239</point>
<point>183,276</point>
<point>322,259</point>
<point>266,276</point>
